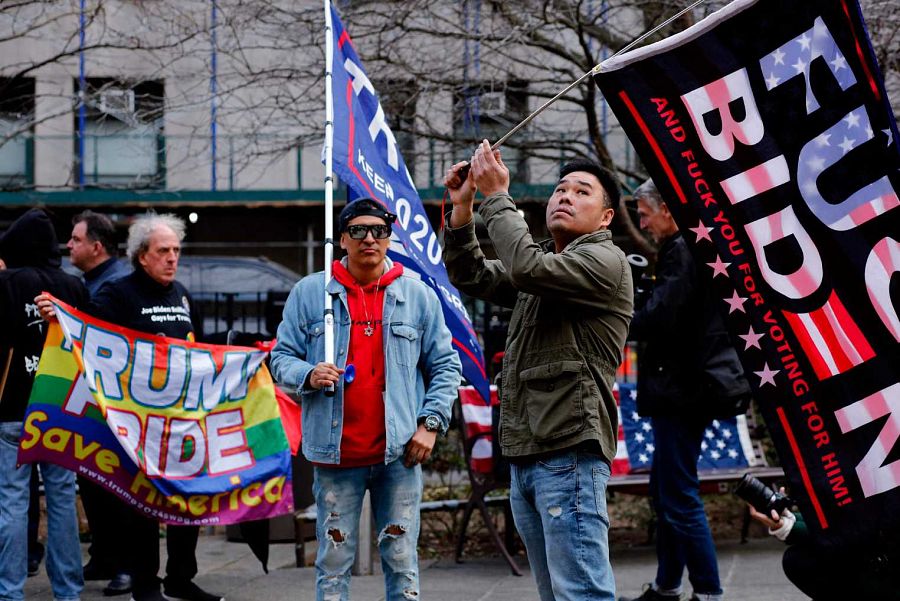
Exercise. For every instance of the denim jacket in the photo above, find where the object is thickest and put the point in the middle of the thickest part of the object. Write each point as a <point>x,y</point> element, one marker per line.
<point>422,371</point>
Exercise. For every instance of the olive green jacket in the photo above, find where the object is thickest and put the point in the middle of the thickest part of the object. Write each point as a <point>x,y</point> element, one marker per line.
<point>571,312</point>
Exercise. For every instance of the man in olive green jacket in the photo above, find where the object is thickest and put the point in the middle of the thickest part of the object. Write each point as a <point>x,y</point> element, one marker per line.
<point>572,302</point>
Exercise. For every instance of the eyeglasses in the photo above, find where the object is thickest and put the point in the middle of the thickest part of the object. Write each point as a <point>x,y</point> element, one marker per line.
<point>378,231</point>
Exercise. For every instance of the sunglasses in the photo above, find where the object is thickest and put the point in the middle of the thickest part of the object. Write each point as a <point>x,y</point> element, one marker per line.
<point>378,231</point>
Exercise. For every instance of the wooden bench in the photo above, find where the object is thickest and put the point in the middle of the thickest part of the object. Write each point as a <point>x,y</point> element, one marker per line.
<point>712,481</point>
<point>715,481</point>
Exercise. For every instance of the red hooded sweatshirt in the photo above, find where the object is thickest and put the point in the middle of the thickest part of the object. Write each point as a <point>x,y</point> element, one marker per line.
<point>363,438</point>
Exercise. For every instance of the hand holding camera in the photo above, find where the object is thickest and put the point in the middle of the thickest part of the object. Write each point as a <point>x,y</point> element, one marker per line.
<point>767,506</point>
<point>762,498</point>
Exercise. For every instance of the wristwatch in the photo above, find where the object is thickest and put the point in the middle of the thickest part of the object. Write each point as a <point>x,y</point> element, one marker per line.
<point>432,423</point>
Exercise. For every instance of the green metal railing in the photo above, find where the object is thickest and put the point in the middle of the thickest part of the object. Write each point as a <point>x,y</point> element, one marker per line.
<point>106,182</point>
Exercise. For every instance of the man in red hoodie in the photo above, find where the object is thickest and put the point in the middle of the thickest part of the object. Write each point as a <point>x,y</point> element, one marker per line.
<point>395,376</point>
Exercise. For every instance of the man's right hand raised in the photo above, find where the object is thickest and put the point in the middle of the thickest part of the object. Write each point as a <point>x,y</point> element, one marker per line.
<point>488,171</point>
<point>324,374</point>
<point>462,194</point>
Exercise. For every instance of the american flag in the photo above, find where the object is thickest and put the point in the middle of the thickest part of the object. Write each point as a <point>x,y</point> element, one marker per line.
<point>723,446</point>
<point>477,417</point>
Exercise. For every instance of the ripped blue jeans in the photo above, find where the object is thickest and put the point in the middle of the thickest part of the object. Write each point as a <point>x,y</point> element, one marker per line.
<point>396,493</point>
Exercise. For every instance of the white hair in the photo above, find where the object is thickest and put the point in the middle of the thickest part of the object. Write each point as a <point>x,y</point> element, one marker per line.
<point>649,194</point>
<point>142,229</point>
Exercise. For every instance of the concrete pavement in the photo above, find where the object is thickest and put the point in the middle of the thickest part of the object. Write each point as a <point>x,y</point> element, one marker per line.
<point>750,572</point>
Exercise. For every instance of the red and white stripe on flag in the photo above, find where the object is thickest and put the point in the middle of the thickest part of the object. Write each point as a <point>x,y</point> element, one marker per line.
<point>620,464</point>
<point>831,339</point>
<point>477,418</point>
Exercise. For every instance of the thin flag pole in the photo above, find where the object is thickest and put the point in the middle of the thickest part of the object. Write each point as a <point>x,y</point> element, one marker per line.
<point>329,188</point>
<point>596,69</point>
<point>82,96</point>
<point>213,93</point>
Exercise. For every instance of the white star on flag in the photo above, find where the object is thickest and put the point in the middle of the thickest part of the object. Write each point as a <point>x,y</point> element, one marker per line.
<point>852,119</point>
<point>735,303</point>
<point>726,433</point>
<point>839,62</point>
<point>715,454</point>
<point>772,81</point>
<point>767,376</point>
<point>716,423</point>
<point>810,186</point>
<point>709,434</point>
<point>778,56</point>
<point>847,145</point>
<point>703,446</point>
<point>702,231</point>
<point>638,436</point>
<point>804,41</point>
<point>817,164</point>
<point>719,267</point>
<point>732,453</point>
<point>650,448</point>
<point>799,66</point>
<point>643,458</point>
<point>633,394</point>
<point>635,416</point>
<point>751,338</point>
<point>822,140</point>
<point>720,444</point>
<point>646,426</point>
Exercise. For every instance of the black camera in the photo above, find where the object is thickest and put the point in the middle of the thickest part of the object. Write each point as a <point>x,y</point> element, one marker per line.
<point>643,283</point>
<point>763,498</point>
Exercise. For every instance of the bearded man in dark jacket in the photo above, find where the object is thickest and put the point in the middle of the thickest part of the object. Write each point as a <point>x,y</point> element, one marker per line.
<point>688,374</point>
<point>30,250</point>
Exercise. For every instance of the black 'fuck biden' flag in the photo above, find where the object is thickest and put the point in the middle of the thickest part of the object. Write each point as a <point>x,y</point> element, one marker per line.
<point>768,131</point>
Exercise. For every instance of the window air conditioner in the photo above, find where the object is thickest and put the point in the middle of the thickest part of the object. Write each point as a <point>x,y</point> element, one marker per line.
<point>117,101</point>
<point>492,104</point>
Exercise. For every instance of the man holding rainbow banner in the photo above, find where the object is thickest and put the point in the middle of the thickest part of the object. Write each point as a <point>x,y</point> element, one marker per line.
<point>187,434</point>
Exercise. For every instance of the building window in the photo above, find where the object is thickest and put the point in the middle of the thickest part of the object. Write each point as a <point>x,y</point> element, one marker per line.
<point>398,101</point>
<point>489,111</point>
<point>124,144</point>
<point>16,140</point>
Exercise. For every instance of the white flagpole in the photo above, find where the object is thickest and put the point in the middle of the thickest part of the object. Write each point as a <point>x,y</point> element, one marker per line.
<point>329,189</point>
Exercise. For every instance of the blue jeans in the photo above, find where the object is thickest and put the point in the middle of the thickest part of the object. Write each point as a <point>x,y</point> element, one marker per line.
<point>559,506</point>
<point>683,536</point>
<point>63,547</point>
<point>396,492</point>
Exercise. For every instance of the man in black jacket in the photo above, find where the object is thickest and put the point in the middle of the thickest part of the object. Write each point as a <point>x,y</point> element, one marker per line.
<point>150,300</point>
<point>30,250</point>
<point>688,373</point>
<point>92,249</point>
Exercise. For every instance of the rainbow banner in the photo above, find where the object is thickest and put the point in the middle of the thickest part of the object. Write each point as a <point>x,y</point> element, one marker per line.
<point>186,433</point>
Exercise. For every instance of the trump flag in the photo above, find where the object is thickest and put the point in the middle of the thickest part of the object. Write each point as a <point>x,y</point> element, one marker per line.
<point>768,131</point>
<point>368,160</point>
<point>182,432</point>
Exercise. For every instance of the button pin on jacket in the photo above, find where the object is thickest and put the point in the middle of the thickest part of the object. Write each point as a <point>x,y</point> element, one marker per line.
<point>349,373</point>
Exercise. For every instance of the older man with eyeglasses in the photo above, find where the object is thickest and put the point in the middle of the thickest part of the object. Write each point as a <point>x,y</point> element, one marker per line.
<point>395,376</point>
